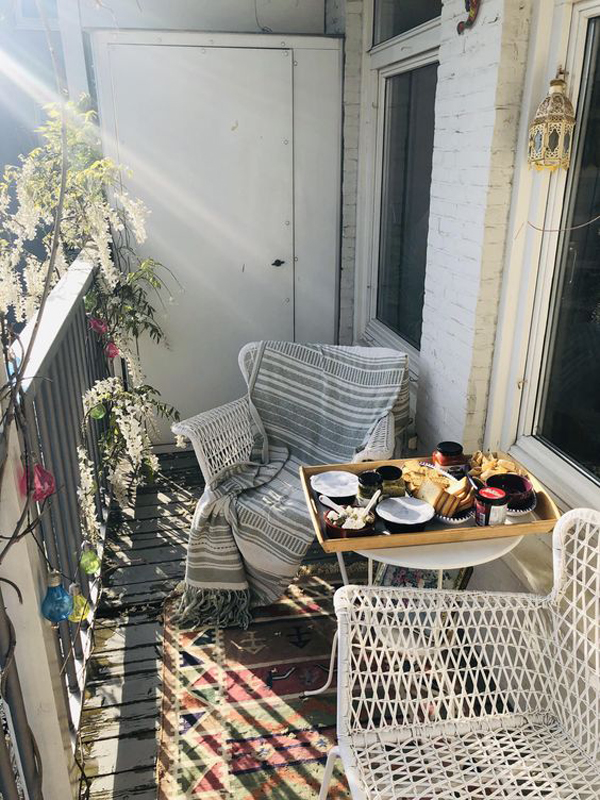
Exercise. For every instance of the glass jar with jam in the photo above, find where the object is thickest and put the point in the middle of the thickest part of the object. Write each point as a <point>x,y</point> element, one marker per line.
<point>490,506</point>
<point>368,483</point>
<point>393,482</point>
<point>449,456</point>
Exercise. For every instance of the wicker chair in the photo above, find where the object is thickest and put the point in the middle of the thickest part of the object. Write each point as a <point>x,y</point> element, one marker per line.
<point>445,695</point>
<point>223,436</point>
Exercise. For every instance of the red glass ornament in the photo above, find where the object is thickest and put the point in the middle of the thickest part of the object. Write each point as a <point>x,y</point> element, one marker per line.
<point>111,350</point>
<point>44,484</point>
<point>99,326</point>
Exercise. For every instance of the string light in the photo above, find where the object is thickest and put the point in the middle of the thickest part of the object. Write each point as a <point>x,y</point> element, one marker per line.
<point>81,607</point>
<point>58,603</point>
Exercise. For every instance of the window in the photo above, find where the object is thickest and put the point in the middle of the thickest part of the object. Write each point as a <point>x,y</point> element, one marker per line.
<point>396,147</point>
<point>406,180</point>
<point>545,391</point>
<point>393,17</point>
<point>568,403</point>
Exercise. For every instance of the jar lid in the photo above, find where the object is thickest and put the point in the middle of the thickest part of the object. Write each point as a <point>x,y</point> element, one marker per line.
<point>370,478</point>
<point>493,496</point>
<point>389,472</point>
<point>449,448</point>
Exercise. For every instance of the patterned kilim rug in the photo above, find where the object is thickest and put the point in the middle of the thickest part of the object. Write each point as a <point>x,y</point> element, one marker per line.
<point>234,722</point>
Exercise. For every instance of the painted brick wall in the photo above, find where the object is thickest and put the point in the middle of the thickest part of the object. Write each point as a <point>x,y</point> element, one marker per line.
<point>353,47</point>
<point>477,108</point>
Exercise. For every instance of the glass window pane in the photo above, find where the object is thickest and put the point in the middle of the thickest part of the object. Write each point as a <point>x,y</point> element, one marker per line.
<point>570,393</point>
<point>393,17</point>
<point>406,186</point>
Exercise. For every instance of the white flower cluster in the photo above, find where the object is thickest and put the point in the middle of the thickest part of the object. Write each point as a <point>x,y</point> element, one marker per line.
<point>86,494</point>
<point>127,351</point>
<point>98,215</point>
<point>101,392</point>
<point>136,212</point>
<point>180,441</point>
<point>131,414</point>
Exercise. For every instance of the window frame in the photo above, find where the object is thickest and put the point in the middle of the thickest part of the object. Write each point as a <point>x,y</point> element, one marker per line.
<point>559,36</point>
<point>403,53</point>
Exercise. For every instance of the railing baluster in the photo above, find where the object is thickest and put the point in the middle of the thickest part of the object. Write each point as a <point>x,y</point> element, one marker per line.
<point>88,347</point>
<point>52,421</point>
<point>49,530</point>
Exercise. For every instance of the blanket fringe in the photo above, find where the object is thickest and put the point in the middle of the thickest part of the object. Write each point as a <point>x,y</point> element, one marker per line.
<point>216,607</point>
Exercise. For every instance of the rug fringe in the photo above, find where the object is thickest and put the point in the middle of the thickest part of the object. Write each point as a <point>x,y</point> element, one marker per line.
<point>216,607</point>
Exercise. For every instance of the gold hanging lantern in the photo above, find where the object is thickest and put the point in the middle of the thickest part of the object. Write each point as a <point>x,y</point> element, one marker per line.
<point>551,132</point>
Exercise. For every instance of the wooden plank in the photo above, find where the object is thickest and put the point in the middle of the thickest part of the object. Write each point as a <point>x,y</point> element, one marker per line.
<point>167,496</point>
<point>121,753</point>
<point>546,512</point>
<point>137,784</point>
<point>162,511</point>
<point>121,692</point>
<point>148,594</point>
<point>157,554</point>
<point>147,526</point>
<point>121,715</point>
<point>144,573</point>
<point>114,721</point>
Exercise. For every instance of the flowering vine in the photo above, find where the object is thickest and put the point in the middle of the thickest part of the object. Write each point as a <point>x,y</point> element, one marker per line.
<point>100,220</point>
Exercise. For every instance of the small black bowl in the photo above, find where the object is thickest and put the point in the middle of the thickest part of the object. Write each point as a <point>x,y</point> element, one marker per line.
<point>518,489</point>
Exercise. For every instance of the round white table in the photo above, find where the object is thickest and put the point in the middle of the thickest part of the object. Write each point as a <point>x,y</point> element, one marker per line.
<point>439,557</point>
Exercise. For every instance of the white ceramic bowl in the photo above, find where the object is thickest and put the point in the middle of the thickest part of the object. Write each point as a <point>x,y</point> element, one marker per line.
<point>405,513</point>
<point>335,483</point>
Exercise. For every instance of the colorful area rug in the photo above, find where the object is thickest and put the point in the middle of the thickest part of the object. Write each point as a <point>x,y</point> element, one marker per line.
<point>235,723</point>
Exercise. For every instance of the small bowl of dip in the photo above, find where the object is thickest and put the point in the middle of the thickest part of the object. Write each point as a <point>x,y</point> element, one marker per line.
<point>352,521</point>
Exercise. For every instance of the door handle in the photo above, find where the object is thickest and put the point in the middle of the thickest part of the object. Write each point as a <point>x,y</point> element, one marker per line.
<point>277,263</point>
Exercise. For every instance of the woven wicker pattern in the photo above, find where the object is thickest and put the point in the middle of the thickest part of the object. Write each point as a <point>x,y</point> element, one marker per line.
<point>446,695</point>
<point>221,437</point>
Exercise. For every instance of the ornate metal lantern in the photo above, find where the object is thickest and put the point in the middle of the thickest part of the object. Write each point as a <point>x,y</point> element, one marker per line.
<point>551,132</point>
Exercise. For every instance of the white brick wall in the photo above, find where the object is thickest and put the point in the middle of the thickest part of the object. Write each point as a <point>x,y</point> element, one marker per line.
<point>477,105</point>
<point>352,73</point>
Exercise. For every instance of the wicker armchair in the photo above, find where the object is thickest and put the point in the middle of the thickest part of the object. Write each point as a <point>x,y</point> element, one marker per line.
<point>446,695</point>
<point>223,436</point>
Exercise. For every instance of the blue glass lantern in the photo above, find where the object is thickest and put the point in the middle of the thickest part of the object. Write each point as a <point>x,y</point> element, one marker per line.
<point>58,603</point>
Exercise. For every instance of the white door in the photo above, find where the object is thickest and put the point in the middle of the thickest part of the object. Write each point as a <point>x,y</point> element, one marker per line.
<point>208,135</point>
<point>244,206</point>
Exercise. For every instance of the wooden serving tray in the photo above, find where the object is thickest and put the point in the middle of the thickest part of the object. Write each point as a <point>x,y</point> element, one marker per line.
<point>545,515</point>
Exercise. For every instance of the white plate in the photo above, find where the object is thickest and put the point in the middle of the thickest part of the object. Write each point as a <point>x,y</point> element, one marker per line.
<point>405,510</point>
<point>335,483</point>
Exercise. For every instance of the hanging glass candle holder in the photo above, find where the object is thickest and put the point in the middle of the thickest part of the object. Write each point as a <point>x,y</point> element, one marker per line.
<point>81,607</point>
<point>551,132</point>
<point>41,483</point>
<point>90,560</point>
<point>98,412</point>
<point>58,603</point>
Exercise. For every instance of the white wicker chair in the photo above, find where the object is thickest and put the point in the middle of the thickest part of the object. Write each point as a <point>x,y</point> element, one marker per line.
<point>223,436</point>
<point>454,695</point>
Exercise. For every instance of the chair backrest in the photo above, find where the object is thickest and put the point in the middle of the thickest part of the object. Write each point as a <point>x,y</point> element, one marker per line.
<point>322,401</point>
<point>576,602</point>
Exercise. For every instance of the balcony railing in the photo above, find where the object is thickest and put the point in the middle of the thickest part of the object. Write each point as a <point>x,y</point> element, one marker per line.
<point>66,360</point>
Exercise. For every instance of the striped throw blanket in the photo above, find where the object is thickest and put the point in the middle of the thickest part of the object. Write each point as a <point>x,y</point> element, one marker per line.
<point>311,404</point>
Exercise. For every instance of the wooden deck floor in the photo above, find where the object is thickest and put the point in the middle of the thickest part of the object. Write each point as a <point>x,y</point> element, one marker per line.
<point>144,560</point>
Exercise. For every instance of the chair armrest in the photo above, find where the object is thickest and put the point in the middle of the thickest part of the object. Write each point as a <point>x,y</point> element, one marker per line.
<point>381,442</point>
<point>413,657</point>
<point>221,437</point>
